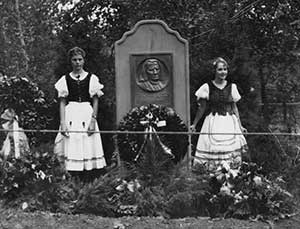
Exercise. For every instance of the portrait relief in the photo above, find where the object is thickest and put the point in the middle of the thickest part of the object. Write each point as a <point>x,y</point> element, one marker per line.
<point>152,73</point>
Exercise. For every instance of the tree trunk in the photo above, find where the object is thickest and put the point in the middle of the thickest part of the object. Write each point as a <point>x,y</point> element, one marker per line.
<point>21,36</point>
<point>264,100</point>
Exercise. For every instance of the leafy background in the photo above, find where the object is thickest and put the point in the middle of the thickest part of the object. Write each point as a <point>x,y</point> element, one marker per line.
<point>259,38</point>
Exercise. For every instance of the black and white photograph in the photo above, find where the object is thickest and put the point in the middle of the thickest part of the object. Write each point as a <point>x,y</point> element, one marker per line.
<point>138,114</point>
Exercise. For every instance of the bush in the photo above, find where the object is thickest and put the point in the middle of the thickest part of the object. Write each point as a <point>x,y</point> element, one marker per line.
<point>145,189</point>
<point>246,193</point>
<point>30,104</point>
<point>230,193</point>
<point>33,178</point>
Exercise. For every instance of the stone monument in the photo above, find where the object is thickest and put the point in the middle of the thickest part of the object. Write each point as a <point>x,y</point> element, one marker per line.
<point>152,66</point>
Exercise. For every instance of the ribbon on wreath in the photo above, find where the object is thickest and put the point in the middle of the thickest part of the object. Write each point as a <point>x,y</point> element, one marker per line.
<point>151,134</point>
<point>12,124</point>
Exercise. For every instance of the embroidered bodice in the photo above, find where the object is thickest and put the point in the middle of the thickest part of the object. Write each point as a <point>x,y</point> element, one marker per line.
<point>220,100</point>
<point>78,89</point>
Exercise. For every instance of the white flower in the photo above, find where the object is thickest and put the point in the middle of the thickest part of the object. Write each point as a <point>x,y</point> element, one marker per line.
<point>226,166</point>
<point>149,115</point>
<point>238,196</point>
<point>15,185</point>
<point>225,190</point>
<point>211,174</point>
<point>24,205</point>
<point>234,172</point>
<point>229,185</point>
<point>39,100</point>
<point>42,175</point>
<point>257,180</point>
<point>121,186</point>
<point>220,177</point>
<point>212,198</point>
<point>137,184</point>
<point>219,168</point>
<point>130,186</point>
<point>143,108</point>
<point>280,179</point>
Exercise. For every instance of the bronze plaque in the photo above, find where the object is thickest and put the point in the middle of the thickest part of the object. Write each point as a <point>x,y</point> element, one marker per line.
<point>151,79</point>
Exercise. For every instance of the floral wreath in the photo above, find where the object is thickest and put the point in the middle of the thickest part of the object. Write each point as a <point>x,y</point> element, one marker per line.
<point>163,119</point>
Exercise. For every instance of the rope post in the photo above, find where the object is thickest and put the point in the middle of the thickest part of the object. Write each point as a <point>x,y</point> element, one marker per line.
<point>116,151</point>
<point>189,153</point>
<point>120,163</point>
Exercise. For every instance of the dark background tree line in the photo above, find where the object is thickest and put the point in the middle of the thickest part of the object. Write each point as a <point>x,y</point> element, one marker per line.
<point>260,38</point>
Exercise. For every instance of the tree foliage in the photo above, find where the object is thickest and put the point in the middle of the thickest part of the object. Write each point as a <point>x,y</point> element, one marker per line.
<point>259,38</point>
<point>30,104</point>
<point>28,39</point>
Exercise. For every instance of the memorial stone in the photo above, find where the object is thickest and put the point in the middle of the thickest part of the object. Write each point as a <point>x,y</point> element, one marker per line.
<point>152,67</point>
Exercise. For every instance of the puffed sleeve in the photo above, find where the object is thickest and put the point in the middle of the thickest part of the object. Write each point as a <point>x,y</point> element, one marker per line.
<point>202,92</point>
<point>61,87</point>
<point>235,93</point>
<point>95,87</point>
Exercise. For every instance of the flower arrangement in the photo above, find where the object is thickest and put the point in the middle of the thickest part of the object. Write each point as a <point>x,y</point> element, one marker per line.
<point>161,118</point>
<point>38,182</point>
<point>33,178</point>
<point>245,193</point>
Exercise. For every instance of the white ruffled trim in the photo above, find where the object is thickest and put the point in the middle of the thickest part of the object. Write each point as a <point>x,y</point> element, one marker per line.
<point>61,87</point>
<point>203,92</point>
<point>235,93</point>
<point>95,86</point>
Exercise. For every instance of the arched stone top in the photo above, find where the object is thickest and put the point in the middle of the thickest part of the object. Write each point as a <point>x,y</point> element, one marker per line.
<point>164,84</point>
<point>155,21</point>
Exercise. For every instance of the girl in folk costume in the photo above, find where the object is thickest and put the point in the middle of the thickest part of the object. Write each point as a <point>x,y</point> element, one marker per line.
<point>15,143</point>
<point>79,92</point>
<point>218,98</point>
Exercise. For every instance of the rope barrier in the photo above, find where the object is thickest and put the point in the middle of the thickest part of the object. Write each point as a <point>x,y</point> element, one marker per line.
<point>157,132</point>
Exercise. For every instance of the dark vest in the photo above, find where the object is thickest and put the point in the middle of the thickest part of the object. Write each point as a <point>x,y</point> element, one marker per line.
<point>220,100</point>
<point>78,89</point>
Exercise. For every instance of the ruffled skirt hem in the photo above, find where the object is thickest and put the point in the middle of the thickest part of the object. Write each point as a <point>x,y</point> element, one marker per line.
<point>80,151</point>
<point>221,142</point>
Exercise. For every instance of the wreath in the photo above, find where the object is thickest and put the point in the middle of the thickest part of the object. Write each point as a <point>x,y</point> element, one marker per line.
<point>29,102</point>
<point>163,119</point>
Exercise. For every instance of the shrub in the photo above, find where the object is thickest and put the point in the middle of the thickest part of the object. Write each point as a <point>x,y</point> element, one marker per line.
<point>30,104</point>
<point>93,198</point>
<point>34,178</point>
<point>229,193</point>
<point>145,189</point>
<point>246,193</point>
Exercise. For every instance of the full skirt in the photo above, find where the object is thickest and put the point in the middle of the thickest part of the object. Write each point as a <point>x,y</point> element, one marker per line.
<point>80,151</point>
<point>221,142</point>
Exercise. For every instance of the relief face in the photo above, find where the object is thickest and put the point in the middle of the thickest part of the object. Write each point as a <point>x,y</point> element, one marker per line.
<point>151,79</point>
<point>152,74</point>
